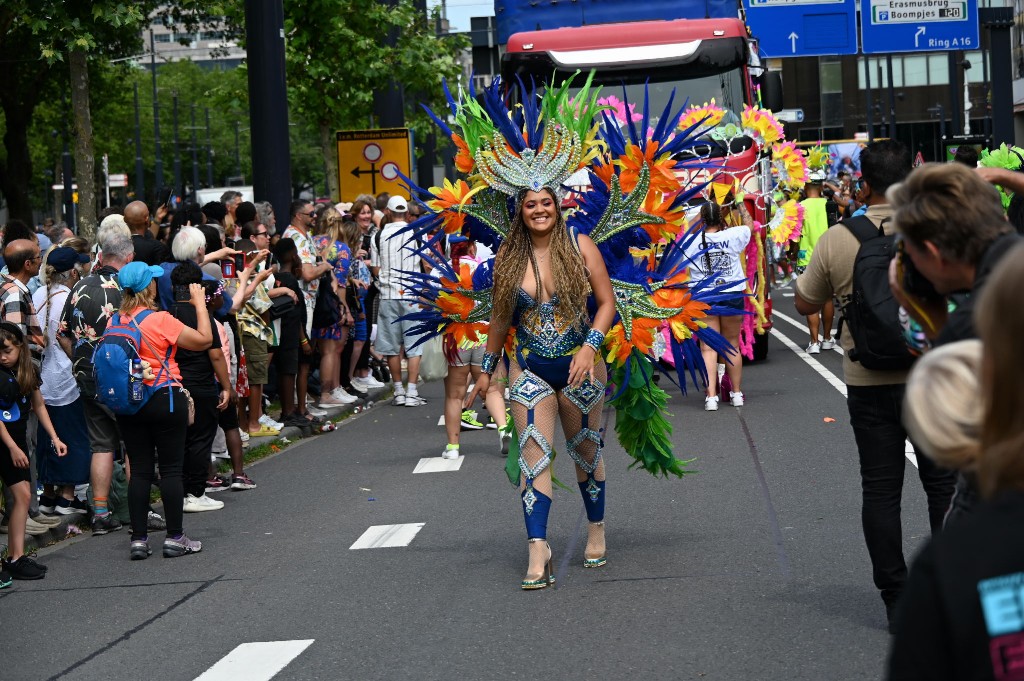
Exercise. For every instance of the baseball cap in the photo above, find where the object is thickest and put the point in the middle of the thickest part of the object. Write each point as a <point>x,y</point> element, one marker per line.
<point>396,204</point>
<point>816,175</point>
<point>135,276</point>
<point>63,258</point>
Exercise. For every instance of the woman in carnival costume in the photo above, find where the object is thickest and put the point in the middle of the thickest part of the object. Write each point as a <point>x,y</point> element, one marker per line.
<point>574,302</point>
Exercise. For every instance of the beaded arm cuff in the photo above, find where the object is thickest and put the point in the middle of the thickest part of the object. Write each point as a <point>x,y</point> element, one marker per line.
<point>490,362</point>
<point>594,339</point>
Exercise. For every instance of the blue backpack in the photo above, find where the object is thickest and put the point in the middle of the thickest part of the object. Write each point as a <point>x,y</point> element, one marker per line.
<point>112,366</point>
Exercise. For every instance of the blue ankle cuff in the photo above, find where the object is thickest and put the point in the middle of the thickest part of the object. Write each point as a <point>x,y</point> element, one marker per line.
<point>536,506</point>
<point>593,498</point>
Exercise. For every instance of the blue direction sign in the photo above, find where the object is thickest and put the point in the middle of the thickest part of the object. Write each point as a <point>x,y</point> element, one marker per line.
<point>919,25</point>
<point>803,28</point>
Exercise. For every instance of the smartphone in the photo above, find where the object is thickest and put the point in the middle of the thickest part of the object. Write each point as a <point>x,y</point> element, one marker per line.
<point>319,259</point>
<point>227,269</point>
<point>271,260</point>
<point>239,263</point>
<point>182,294</point>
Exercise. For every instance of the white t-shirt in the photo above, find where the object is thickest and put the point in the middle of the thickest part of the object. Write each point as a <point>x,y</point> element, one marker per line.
<point>725,251</point>
<point>59,387</point>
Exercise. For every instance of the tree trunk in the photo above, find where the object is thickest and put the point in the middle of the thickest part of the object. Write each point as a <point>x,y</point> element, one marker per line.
<point>329,149</point>
<point>85,160</point>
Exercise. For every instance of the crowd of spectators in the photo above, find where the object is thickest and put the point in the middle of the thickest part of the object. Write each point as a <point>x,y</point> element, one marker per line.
<point>235,314</point>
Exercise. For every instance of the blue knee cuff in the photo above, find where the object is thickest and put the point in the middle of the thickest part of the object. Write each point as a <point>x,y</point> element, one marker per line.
<point>536,506</point>
<point>593,498</point>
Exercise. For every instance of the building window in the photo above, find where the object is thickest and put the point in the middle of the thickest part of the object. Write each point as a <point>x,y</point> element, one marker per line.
<point>830,78</point>
<point>162,37</point>
<point>915,70</point>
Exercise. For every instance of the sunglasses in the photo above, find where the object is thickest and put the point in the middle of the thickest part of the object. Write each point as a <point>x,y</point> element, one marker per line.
<point>311,213</point>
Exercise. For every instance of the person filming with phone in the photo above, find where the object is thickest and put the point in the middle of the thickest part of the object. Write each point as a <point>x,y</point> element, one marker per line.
<point>952,234</point>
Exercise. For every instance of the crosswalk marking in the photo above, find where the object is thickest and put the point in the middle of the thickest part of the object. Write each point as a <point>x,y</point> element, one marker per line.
<point>255,661</point>
<point>438,465</point>
<point>387,536</point>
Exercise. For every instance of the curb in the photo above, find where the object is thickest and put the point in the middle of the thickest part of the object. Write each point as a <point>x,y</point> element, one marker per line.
<point>74,525</point>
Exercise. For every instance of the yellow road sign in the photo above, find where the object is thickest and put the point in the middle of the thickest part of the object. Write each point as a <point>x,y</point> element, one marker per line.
<point>369,161</point>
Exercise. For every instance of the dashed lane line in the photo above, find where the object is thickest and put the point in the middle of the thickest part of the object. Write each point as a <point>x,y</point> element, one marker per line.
<point>260,661</point>
<point>803,327</point>
<point>387,536</point>
<point>438,465</point>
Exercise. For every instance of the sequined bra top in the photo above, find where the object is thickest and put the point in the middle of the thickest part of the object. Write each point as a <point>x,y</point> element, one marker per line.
<point>547,330</point>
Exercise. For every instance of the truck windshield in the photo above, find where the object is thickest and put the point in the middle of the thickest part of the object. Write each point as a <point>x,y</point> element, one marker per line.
<point>725,88</point>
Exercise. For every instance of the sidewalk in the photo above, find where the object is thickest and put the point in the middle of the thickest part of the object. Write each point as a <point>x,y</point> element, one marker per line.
<point>74,525</point>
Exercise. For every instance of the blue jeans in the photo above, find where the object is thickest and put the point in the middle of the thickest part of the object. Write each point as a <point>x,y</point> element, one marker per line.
<point>876,417</point>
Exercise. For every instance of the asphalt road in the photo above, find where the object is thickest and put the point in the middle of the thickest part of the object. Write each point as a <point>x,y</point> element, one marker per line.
<point>753,569</point>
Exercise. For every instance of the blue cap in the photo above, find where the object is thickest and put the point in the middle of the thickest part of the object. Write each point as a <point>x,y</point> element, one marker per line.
<point>63,258</point>
<point>135,276</point>
<point>457,239</point>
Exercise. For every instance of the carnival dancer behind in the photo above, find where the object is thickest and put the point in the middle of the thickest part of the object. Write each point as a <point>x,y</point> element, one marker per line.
<point>720,249</point>
<point>542,278</point>
<point>465,361</point>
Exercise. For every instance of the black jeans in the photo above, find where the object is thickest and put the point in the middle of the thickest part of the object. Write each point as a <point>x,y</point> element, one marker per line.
<point>876,417</point>
<point>156,436</point>
<point>199,443</point>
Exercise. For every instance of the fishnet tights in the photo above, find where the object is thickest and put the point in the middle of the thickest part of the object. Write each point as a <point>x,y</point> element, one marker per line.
<point>545,417</point>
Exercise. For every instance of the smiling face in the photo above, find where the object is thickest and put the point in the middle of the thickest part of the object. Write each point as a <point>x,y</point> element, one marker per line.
<point>540,212</point>
<point>364,218</point>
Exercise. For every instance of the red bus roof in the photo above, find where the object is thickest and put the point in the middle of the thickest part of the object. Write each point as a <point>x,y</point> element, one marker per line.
<point>633,34</point>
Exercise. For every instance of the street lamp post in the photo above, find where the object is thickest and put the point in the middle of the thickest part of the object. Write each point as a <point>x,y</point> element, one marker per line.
<point>238,158</point>
<point>158,166</point>
<point>66,171</point>
<point>195,158</point>
<point>140,183</point>
<point>177,154</point>
<point>209,152</point>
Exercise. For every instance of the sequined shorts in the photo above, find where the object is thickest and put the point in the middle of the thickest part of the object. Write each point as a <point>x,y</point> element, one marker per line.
<point>554,372</point>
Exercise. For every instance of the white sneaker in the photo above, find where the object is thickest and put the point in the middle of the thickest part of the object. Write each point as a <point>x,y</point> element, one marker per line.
<point>313,411</point>
<point>828,343</point>
<point>711,403</point>
<point>813,348</point>
<point>194,504</point>
<point>450,454</point>
<point>736,399</point>
<point>244,435</point>
<point>399,399</point>
<point>368,382</point>
<point>414,401</point>
<point>339,393</point>
<point>270,423</point>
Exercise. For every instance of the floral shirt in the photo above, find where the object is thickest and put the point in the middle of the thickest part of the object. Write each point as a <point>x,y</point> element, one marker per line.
<point>88,309</point>
<point>307,254</point>
<point>338,254</point>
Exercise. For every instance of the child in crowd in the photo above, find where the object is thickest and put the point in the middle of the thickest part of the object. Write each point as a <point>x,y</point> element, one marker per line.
<point>19,395</point>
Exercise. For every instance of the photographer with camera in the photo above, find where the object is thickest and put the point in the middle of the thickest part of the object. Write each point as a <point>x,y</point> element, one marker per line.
<point>850,263</point>
<point>943,262</point>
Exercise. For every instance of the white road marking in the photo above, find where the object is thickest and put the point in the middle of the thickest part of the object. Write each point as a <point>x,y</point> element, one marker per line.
<point>255,661</point>
<point>802,327</point>
<point>788,294</point>
<point>438,465</point>
<point>832,379</point>
<point>440,421</point>
<point>387,536</point>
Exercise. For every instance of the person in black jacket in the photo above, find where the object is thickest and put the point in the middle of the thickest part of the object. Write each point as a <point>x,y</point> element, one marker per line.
<point>962,613</point>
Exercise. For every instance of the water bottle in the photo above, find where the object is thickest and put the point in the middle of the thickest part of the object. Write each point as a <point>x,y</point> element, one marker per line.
<point>136,382</point>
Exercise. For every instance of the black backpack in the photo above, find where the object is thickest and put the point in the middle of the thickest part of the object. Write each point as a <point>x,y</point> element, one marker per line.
<point>872,313</point>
